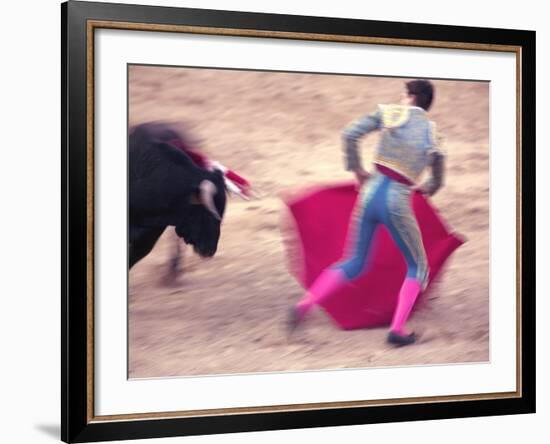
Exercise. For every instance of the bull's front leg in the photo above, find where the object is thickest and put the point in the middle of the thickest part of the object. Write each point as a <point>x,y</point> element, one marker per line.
<point>141,242</point>
<point>176,261</point>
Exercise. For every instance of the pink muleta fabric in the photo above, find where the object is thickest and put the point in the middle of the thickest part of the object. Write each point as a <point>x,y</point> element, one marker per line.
<point>321,219</point>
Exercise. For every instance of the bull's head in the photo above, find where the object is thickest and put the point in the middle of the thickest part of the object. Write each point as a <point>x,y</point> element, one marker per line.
<point>201,227</point>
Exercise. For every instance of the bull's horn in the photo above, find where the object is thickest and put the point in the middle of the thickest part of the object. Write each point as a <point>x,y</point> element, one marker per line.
<point>207,189</point>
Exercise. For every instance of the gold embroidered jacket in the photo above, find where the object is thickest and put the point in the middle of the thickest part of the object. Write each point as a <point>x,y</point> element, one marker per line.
<point>408,143</point>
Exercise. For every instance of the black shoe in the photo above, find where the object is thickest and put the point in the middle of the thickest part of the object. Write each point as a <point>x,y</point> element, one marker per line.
<point>294,319</point>
<point>401,340</point>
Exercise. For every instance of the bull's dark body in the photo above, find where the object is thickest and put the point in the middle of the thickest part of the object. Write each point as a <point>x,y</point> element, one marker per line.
<point>162,181</point>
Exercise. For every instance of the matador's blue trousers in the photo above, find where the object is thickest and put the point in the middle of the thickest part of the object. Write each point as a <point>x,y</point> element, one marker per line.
<point>384,201</point>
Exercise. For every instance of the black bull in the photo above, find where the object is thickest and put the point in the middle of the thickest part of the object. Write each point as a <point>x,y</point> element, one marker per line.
<point>167,189</point>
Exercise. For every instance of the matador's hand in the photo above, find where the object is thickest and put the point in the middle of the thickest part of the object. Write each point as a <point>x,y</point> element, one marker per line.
<point>428,188</point>
<point>361,175</point>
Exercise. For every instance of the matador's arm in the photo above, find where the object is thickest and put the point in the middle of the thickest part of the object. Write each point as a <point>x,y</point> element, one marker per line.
<point>353,133</point>
<point>436,164</point>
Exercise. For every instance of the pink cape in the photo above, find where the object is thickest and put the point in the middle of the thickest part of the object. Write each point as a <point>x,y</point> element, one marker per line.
<point>321,219</point>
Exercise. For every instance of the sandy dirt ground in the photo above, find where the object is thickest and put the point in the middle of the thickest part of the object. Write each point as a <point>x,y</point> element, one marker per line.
<point>281,130</point>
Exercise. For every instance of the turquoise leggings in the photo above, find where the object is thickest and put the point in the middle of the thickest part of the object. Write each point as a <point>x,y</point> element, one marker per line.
<point>384,201</point>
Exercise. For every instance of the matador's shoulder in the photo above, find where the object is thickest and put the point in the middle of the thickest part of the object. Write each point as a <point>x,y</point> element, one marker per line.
<point>394,116</point>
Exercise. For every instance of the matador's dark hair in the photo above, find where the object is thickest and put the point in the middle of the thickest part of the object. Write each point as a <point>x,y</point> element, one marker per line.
<point>423,90</point>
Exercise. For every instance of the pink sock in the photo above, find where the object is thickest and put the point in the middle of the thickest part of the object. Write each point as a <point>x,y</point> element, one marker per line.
<point>328,281</point>
<point>407,295</point>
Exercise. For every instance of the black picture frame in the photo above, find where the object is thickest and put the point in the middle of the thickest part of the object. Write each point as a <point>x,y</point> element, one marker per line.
<point>78,423</point>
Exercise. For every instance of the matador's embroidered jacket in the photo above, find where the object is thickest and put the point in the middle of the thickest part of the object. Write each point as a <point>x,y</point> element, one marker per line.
<point>408,144</point>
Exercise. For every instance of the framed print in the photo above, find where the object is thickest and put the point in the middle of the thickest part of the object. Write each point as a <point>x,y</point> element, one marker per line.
<point>276,221</point>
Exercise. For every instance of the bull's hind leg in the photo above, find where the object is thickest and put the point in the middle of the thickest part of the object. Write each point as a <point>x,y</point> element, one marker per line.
<point>142,241</point>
